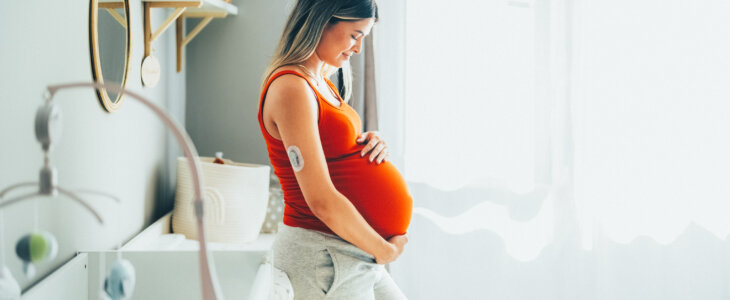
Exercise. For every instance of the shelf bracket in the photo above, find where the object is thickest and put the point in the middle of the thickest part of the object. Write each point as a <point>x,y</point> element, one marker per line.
<point>111,8</point>
<point>207,10</point>
<point>196,30</point>
<point>183,40</point>
<point>149,36</point>
<point>122,21</point>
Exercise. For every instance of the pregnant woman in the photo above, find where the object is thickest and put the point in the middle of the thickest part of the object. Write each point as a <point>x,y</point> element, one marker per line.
<point>347,208</point>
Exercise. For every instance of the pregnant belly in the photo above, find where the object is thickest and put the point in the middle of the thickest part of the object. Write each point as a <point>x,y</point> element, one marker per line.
<point>378,191</point>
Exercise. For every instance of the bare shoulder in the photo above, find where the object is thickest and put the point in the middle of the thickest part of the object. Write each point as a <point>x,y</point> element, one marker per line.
<point>290,93</point>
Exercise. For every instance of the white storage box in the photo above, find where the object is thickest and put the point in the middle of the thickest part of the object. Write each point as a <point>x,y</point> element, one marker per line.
<point>236,197</point>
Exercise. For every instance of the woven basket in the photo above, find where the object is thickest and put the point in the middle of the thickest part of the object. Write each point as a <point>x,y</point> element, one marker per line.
<point>235,195</point>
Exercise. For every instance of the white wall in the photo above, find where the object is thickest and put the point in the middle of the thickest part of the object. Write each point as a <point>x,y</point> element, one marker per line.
<point>121,153</point>
<point>225,64</point>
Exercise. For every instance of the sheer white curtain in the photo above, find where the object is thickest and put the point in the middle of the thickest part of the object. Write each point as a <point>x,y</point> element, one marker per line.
<point>652,111</point>
<point>470,94</point>
<point>561,149</point>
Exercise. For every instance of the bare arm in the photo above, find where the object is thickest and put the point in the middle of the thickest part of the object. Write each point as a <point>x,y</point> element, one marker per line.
<point>292,106</point>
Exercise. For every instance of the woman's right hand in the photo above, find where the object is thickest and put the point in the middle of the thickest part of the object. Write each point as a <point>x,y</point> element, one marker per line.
<point>396,248</point>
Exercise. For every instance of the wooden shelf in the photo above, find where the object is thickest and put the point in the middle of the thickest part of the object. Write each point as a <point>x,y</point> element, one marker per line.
<point>111,4</point>
<point>216,8</point>
<point>205,9</point>
<point>194,6</point>
<point>111,7</point>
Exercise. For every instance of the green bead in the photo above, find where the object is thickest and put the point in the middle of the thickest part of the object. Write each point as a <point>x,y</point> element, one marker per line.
<point>36,247</point>
<point>39,247</point>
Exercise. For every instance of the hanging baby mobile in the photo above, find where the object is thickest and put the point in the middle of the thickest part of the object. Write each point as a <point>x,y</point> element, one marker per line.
<point>41,246</point>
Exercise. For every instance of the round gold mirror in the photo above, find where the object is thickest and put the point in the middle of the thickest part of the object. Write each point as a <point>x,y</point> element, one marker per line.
<point>109,41</point>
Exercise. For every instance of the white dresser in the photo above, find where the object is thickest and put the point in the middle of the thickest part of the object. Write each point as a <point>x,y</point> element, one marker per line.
<point>166,267</point>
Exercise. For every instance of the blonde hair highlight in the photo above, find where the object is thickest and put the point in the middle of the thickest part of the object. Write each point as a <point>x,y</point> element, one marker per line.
<point>303,31</point>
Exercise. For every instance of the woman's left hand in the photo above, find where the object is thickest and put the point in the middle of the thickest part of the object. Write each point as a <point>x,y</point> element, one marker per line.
<point>375,146</point>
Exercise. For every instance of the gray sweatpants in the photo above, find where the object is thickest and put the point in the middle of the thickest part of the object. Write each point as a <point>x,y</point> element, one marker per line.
<point>324,266</point>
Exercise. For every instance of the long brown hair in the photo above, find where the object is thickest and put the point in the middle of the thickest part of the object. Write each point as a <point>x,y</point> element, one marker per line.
<point>304,28</point>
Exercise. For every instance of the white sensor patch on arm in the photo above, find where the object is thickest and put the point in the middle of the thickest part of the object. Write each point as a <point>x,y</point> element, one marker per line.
<point>295,157</point>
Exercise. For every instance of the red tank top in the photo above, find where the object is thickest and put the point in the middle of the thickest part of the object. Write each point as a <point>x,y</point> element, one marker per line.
<point>378,191</point>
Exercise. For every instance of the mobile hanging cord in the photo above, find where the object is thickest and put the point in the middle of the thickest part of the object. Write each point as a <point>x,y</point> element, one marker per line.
<point>209,283</point>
